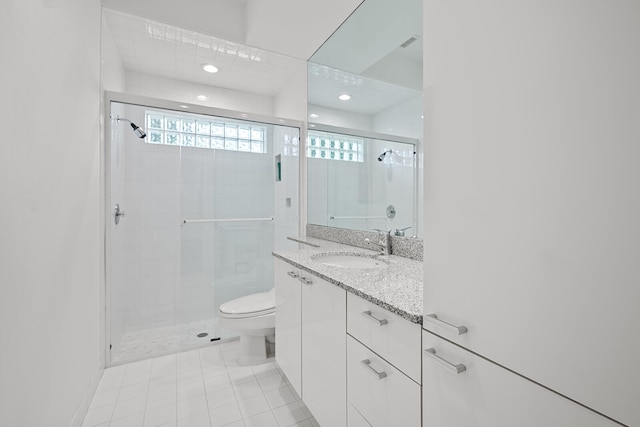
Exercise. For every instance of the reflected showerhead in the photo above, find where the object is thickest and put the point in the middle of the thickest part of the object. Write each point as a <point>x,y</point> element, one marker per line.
<point>382,156</point>
<point>139,132</point>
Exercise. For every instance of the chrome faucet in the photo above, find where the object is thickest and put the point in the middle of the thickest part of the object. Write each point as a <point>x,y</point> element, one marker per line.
<point>385,241</point>
<point>400,231</point>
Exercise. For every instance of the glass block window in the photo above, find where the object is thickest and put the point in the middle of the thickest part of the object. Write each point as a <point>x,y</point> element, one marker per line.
<point>331,146</point>
<point>205,132</point>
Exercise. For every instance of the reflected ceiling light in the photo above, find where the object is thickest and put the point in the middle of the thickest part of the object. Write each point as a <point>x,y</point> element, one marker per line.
<point>210,68</point>
<point>344,97</point>
<point>184,106</point>
<point>313,116</point>
<point>202,97</point>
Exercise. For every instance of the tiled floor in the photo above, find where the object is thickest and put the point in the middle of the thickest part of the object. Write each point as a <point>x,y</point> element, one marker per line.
<point>204,387</point>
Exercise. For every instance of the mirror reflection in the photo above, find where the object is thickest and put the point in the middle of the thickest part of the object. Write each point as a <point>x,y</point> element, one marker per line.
<point>364,90</point>
<point>361,182</point>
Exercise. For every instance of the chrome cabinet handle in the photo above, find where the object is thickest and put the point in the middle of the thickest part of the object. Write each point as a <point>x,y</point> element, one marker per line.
<point>306,281</point>
<point>379,374</point>
<point>368,315</point>
<point>458,330</point>
<point>456,369</point>
<point>293,274</point>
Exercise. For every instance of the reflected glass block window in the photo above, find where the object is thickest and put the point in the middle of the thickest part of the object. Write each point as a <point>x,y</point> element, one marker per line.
<point>190,130</point>
<point>322,145</point>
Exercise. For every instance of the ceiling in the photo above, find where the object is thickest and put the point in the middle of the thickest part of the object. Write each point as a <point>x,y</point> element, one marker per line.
<point>257,46</point>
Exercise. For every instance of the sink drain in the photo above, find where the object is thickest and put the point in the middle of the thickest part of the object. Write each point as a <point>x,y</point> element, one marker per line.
<point>202,334</point>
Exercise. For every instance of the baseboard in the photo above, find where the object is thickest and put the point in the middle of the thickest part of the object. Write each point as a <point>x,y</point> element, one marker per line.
<point>78,418</point>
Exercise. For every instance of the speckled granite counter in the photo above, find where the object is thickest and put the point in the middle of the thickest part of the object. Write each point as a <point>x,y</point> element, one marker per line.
<point>397,287</point>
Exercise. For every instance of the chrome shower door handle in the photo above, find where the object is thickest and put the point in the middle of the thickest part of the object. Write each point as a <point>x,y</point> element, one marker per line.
<point>117,213</point>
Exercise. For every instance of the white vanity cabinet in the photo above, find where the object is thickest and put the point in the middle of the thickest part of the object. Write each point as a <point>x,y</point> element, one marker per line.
<point>383,366</point>
<point>288,318</point>
<point>462,389</point>
<point>324,350</point>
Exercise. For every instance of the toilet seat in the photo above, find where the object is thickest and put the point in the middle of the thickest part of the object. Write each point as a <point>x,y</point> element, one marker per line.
<point>254,305</point>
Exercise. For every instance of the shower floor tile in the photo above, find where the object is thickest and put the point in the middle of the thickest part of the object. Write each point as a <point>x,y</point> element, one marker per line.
<point>184,389</point>
<point>163,340</point>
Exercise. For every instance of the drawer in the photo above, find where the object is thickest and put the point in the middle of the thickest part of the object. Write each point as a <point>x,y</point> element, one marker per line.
<point>382,394</point>
<point>355,418</point>
<point>392,337</point>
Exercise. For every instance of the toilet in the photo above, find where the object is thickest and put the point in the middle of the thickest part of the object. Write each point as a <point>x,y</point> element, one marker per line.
<point>253,317</point>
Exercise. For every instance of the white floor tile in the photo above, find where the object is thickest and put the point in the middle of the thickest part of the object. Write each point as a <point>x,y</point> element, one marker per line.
<point>133,391</point>
<point>98,416</point>
<point>253,406</point>
<point>193,406</point>
<point>290,414</point>
<point>136,420</point>
<point>199,420</point>
<point>105,398</point>
<point>271,382</point>
<point>221,397</point>
<point>129,407</point>
<point>198,388</point>
<point>280,397</point>
<point>225,415</point>
<point>247,389</point>
<point>266,419</point>
<point>160,415</point>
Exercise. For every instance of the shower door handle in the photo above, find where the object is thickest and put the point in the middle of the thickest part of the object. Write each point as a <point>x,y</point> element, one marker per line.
<point>117,213</point>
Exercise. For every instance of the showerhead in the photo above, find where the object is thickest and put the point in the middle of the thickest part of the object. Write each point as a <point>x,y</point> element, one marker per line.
<point>139,132</point>
<point>382,156</point>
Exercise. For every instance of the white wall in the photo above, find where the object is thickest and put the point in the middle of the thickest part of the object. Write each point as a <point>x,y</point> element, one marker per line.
<point>155,86</point>
<point>49,233</point>
<point>340,118</point>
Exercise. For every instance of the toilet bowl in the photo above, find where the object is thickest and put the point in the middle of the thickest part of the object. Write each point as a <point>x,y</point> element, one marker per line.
<point>253,317</point>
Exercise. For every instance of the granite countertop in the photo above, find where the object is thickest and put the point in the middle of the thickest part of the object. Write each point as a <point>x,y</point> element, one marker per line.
<point>397,288</point>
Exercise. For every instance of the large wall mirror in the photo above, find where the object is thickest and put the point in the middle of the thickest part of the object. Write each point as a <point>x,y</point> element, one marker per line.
<point>365,121</point>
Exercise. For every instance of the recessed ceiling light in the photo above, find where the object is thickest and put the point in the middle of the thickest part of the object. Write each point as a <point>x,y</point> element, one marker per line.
<point>313,116</point>
<point>344,97</point>
<point>184,106</point>
<point>202,97</point>
<point>312,126</point>
<point>210,68</point>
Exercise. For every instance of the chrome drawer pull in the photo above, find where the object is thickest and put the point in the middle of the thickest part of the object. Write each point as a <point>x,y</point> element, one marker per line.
<point>306,281</point>
<point>293,274</point>
<point>456,369</point>
<point>380,375</point>
<point>458,330</point>
<point>368,315</point>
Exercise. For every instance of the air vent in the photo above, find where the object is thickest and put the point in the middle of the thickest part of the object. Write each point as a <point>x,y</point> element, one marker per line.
<point>409,41</point>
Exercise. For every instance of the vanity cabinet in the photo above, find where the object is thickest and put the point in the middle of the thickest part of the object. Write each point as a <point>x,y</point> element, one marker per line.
<point>462,389</point>
<point>288,322</point>
<point>311,341</point>
<point>383,366</point>
<point>324,350</point>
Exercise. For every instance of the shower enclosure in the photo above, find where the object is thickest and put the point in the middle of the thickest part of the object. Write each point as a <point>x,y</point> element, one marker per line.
<point>194,225</point>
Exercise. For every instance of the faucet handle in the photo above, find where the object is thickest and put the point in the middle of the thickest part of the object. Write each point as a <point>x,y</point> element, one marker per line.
<point>400,231</point>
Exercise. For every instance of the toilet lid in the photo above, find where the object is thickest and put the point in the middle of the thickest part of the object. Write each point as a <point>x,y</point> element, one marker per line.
<point>250,305</point>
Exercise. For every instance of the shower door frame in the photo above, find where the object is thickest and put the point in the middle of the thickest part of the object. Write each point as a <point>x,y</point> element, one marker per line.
<point>106,213</point>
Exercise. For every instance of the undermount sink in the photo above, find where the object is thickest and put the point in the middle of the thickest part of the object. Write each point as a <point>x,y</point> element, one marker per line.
<point>349,260</point>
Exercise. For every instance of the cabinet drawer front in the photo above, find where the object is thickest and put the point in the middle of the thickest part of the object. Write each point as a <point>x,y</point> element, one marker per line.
<point>462,389</point>
<point>392,337</point>
<point>382,394</point>
<point>355,418</point>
